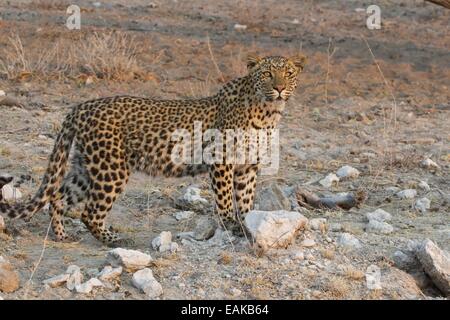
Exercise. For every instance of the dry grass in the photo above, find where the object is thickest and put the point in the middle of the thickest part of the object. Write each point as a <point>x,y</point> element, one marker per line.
<point>108,56</point>
<point>327,254</point>
<point>337,287</point>
<point>353,273</point>
<point>225,258</point>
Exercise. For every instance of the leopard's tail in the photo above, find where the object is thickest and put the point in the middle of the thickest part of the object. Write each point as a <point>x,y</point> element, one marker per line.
<point>52,178</point>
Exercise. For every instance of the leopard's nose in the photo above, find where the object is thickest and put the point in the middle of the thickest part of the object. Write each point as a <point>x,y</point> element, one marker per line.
<point>279,88</point>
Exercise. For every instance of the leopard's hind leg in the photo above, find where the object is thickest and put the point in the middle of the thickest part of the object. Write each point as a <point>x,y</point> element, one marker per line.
<point>74,189</point>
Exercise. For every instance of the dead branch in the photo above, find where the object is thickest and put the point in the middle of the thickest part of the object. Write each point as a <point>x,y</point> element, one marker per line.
<point>309,199</point>
<point>443,3</point>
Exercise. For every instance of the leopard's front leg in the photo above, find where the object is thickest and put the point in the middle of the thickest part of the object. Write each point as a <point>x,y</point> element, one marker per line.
<point>222,185</point>
<point>244,188</point>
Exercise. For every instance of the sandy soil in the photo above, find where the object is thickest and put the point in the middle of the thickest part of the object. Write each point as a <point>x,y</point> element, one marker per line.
<point>345,112</point>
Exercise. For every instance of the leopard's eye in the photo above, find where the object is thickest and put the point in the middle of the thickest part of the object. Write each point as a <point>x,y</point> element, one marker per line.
<point>289,73</point>
<point>267,74</point>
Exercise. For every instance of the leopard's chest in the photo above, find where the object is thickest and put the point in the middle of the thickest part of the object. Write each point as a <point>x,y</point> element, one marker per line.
<point>268,114</point>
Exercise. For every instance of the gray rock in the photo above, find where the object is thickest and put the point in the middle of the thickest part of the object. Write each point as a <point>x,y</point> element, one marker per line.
<point>335,227</point>
<point>272,198</point>
<point>221,237</point>
<point>405,261</point>
<point>183,215</point>
<point>379,215</point>
<point>422,205</point>
<point>205,228</point>
<point>436,264</point>
<point>144,280</point>
<point>130,260</point>
<point>375,226</point>
<point>347,172</point>
<point>407,194</point>
<point>192,200</point>
<point>274,229</point>
<point>349,241</point>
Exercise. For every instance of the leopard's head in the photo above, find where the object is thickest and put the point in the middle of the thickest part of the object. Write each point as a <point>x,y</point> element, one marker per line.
<point>275,78</point>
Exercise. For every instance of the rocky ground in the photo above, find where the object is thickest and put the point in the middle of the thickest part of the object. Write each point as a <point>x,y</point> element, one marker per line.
<point>375,100</point>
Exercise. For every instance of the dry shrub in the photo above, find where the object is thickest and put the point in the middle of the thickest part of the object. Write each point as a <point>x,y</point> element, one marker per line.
<point>109,56</point>
<point>18,64</point>
<point>337,287</point>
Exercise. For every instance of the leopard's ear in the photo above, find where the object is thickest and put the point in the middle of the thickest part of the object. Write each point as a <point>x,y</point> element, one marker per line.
<point>252,61</point>
<point>298,60</point>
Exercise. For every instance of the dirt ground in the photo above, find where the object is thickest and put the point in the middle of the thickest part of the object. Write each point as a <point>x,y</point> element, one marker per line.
<point>377,100</point>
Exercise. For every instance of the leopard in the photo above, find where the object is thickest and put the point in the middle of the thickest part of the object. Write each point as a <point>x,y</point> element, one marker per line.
<point>102,141</point>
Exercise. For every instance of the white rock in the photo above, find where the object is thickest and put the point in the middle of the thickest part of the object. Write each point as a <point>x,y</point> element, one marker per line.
<point>379,215</point>
<point>407,194</point>
<point>347,172</point>
<point>130,260</point>
<point>10,193</point>
<point>96,4</point>
<point>429,164</point>
<point>274,229</point>
<point>298,256</point>
<point>348,240</point>
<point>335,227</point>
<point>88,286</point>
<point>57,281</point>
<point>392,189</point>
<point>2,224</point>
<point>360,10</point>
<point>329,180</point>
<point>423,185</point>
<point>307,243</point>
<point>235,292</point>
<point>164,239</point>
<point>144,280</point>
<point>2,93</point>
<point>75,277</point>
<point>422,205</point>
<point>238,26</point>
<point>317,223</point>
<point>183,215</point>
<point>109,273</point>
<point>375,226</point>
<point>295,21</point>
<point>436,263</point>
